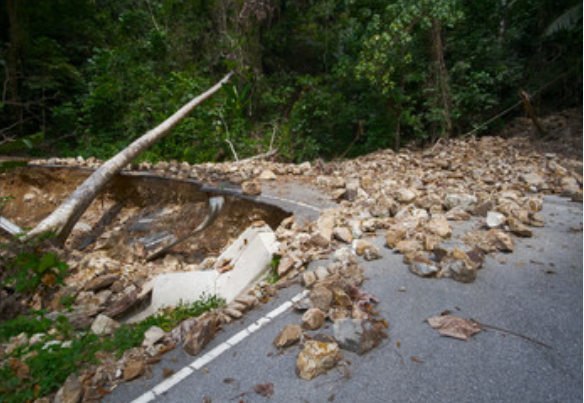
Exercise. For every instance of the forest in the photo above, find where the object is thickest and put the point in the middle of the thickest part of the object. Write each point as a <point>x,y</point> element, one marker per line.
<point>314,79</point>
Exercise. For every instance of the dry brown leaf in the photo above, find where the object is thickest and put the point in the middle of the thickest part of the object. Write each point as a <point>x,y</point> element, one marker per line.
<point>264,389</point>
<point>453,326</point>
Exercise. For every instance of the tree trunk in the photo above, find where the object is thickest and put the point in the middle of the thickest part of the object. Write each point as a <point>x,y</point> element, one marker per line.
<point>442,81</point>
<point>62,220</point>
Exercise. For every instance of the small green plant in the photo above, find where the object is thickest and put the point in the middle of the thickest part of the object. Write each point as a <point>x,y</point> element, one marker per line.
<point>34,322</point>
<point>46,366</point>
<point>129,336</point>
<point>67,301</point>
<point>35,268</point>
<point>272,276</point>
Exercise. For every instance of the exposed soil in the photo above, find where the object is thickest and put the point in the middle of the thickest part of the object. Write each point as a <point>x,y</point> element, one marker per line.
<point>168,205</point>
<point>563,133</point>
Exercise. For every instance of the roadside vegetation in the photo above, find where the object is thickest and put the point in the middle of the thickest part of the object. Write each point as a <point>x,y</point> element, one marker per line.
<point>314,78</point>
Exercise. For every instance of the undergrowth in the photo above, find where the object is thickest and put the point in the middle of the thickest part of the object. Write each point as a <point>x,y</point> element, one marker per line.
<point>33,371</point>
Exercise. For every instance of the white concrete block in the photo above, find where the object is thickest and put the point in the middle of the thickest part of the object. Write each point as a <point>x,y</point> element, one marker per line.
<point>250,255</point>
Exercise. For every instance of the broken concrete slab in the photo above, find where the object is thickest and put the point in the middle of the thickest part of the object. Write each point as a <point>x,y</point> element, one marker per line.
<point>249,255</point>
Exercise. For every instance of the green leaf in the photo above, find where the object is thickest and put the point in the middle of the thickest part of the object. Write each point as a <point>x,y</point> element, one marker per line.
<point>48,260</point>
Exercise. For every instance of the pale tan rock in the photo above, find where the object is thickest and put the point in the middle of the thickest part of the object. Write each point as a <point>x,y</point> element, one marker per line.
<point>408,246</point>
<point>267,175</point>
<point>324,231</point>
<point>290,335</point>
<point>104,325</point>
<point>201,334</point>
<point>439,226</point>
<point>343,234</point>
<point>134,369</point>
<point>394,235</point>
<point>321,297</point>
<point>317,358</point>
<point>292,260</point>
<point>405,196</point>
<point>313,319</point>
<point>308,278</point>
<point>70,392</point>
<point>519,228</point>
<point>251,188</point>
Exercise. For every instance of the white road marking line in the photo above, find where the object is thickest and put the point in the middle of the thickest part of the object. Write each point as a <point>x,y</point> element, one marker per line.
<point>200,362</point>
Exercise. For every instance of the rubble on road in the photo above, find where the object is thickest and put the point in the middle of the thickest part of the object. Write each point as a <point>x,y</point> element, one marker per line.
<point>443,208</point>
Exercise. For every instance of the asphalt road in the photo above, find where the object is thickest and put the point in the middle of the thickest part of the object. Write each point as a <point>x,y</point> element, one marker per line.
<point>536,292</point>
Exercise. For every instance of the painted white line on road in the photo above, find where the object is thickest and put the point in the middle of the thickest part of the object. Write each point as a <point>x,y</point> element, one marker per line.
<point>298,203</point>
<point>200,362</point>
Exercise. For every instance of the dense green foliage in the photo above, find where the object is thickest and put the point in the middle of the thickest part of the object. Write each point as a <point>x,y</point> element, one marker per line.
<point>318,78</point>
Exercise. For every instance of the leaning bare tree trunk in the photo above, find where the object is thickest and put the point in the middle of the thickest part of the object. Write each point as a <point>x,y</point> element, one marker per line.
<point>62,220</point>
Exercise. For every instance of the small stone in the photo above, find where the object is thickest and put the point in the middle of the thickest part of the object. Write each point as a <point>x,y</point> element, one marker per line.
<point>533,179</point>
<point>360,245</point>
<point>358,335</point>
<point>324,231</point>
<point>317,358</point>
<point>341,299</point>
<point>570,187</point>
<point>313,319</point>
<point>101,282</point>
<point>423,269</point>
<point>321,297</point>
<point>267,175</point>
<point>457,214</point>
<point>467,202</point>
<point>321,273</point>
<point>29,197</point>
<point>352,190</point>
<point>495,220</point>
<point>233,313</point>
<point>309,278</point>
<point>70,392</point>
<point>343,234</point>
<point>104,325</point>
<point>345,256</point>
<point>372,253</point>
<point>201,334</point>
<point>152,336</point>
<point>290,261</point>
<point>395,235</point>
<point>439,226</point>
<point>251,188</point>
<point>459,267</point>
<point>123,305</point>
<point>499,240</point>
<point>408,246</point>
<point>519,229</point>
<point>249,301</point>
<point>15,342</point>
<point>290,335</point>
<point>134,369</point>
<point>405,196</point>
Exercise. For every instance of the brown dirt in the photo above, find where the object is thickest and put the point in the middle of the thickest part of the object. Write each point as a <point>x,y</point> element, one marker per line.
<point>38,191</point>
<point>563,133</point>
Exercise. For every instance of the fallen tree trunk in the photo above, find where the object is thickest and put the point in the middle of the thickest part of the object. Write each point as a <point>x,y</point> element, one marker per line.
<point>62,220</point>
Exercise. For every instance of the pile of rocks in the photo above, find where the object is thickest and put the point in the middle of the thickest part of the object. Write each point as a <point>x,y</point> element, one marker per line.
<point>444,209</point>
<point>335,295</point>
